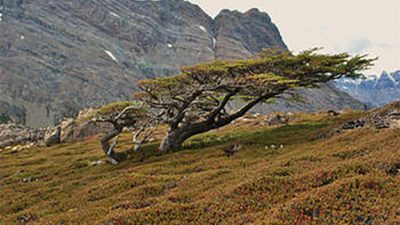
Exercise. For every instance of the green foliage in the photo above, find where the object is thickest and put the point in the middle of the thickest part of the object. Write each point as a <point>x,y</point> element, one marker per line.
<point>113,109</point>
<point>196,100</point>
<point>201,88</point>
<point>117,107</point>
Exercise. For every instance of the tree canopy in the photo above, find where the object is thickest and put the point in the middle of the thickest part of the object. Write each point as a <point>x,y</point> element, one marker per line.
<point>195,101</point>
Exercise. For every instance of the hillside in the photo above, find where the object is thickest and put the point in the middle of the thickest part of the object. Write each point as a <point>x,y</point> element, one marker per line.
<point>283,175</point>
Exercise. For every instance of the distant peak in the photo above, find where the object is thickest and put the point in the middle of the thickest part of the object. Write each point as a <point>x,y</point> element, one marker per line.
<point>253,10</point>
<point>228,12</point>
<point>385,73</point>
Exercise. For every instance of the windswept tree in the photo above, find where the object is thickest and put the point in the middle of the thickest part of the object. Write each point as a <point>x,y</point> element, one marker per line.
<point>122,115</point>
<point>196,100</point>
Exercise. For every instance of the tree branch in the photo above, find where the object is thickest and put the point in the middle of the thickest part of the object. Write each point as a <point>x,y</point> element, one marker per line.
<point>247,107</point>
<point>222,105</point>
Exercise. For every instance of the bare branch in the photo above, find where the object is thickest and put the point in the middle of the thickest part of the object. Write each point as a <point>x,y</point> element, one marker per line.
<point>222,104</point>
<point>125,110</point>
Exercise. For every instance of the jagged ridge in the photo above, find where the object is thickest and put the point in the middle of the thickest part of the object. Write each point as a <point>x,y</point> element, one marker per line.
<point>61,56</point>
<point>376,91</point>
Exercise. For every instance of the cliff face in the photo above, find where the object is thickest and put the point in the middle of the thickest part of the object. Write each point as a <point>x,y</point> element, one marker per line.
<point>58,57</point>
<point>243,34</point>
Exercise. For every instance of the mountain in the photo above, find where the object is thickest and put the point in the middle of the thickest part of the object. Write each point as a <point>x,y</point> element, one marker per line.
<point>374,90</point>
<point>58,57</point>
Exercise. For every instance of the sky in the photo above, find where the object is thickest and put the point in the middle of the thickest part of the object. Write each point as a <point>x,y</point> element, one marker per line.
<point>355,26</point>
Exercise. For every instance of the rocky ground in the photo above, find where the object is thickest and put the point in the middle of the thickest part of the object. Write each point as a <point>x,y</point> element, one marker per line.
<point>386,117</point>
<point>16,136</point>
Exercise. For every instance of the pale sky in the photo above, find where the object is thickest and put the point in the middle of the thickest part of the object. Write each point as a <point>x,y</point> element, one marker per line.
<point>355,26</point>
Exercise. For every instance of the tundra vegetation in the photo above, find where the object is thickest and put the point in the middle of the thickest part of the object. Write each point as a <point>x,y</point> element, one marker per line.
<point>352,177</point>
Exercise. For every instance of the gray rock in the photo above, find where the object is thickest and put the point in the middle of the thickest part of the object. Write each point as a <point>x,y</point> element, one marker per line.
<point>354,124</point>
<point>16,134</point>
<point>52,136</point>
<point>278,119</point>
<point>381,118</point>
<point>81,128</point>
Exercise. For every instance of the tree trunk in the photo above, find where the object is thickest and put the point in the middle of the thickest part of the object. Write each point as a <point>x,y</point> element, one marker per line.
<point>172,141</point>
<point>107,148</point>
<point>176,136</point>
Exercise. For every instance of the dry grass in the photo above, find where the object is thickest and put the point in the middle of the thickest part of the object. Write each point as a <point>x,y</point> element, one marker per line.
<point>350,178</point>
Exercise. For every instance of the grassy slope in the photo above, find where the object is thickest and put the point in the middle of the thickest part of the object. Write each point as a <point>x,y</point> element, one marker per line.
<point>349,178</point>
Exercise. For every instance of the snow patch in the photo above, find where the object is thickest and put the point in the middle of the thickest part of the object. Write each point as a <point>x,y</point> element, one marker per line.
<point>1,16</point>
<point>391,78</point>
<point>22,37</point>
<point>114,14</point>
<point>111,55</point>
<point>371,77</point>
<point>203,28</point>
<point>169,45</point>
<point>214,42</point>
<point>352,81</point>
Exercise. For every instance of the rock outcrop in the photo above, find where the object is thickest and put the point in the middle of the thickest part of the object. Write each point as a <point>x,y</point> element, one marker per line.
<point>386,117</point>
<point>16,134</point>
<point>81,128</point>
<point>70,130</point>
<point>52,136</point>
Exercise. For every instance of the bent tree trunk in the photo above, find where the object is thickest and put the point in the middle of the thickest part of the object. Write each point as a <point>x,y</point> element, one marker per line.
<point>109,149</point>
<point>172,141</point>
<point>177,135</point>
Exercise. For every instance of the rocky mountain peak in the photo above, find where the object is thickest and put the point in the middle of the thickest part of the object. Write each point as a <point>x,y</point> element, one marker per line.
<point>396,76</point>
<point>59,56</point>
<point>243,34</point>
<point>386,80</point>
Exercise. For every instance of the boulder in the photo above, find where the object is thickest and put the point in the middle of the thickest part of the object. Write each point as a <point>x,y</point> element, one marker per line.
<point>277,119</point>
<point>81,128</point>
<point>52,136</point>
<point>353,124</point>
